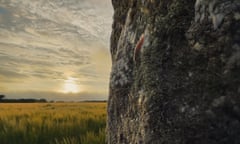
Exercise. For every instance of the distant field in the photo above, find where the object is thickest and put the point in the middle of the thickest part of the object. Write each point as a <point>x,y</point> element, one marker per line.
<point>52,123</point>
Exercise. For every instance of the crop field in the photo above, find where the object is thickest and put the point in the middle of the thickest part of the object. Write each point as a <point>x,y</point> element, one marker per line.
<point>52,123</point>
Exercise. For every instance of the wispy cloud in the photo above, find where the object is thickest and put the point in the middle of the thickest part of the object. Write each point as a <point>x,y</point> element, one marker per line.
<point>55,39</point>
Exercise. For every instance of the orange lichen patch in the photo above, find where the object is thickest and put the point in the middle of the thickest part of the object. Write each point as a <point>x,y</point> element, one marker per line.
<point>144,10</point>
<point>138,47</point>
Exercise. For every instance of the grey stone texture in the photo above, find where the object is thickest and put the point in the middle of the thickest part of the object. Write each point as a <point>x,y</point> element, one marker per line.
<point>181,85</point>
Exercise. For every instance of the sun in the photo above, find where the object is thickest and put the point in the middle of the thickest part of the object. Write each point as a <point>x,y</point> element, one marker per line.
<point>70,86</point>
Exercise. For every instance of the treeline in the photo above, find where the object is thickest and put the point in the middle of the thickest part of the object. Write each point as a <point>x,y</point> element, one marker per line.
<point>4,100</point>
<point>23,100</point>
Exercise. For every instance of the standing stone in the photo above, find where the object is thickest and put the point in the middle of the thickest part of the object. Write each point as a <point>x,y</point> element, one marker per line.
<point>176,72</point>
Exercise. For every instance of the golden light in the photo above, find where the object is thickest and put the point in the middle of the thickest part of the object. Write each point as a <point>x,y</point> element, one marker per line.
<point>70,86</point>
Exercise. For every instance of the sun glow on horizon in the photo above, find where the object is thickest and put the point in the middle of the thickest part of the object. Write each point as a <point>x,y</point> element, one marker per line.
<point>70,86</point>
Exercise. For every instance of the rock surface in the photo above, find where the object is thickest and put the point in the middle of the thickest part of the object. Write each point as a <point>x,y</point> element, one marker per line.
<point>176,72</point>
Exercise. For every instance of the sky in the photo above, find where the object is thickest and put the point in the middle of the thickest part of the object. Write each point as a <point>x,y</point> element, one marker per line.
<point>55,49</point>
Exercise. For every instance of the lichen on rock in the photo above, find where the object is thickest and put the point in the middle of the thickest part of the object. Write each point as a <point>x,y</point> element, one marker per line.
<point>183,86</point>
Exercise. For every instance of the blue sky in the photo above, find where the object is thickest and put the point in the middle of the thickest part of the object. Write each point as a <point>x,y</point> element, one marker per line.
<point>55,49</point>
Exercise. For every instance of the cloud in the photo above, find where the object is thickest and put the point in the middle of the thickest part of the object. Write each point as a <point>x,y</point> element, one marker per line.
<point>2,88</point>
<point>49,40</point>
<point>91,18</point>
<point>11,74</point>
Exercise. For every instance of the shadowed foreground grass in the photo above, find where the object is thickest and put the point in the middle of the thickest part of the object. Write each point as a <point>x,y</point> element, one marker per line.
<point>53,123</point>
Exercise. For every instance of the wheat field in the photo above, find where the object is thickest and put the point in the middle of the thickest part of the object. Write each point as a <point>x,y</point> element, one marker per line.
<point>52,123</point>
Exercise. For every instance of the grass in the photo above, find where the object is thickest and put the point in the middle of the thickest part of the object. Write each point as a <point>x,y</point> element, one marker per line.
<point>52,123</point>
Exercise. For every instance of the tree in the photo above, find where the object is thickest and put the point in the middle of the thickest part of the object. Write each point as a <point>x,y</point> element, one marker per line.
<point>2,96</point>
